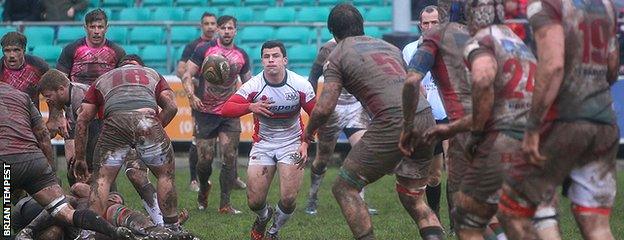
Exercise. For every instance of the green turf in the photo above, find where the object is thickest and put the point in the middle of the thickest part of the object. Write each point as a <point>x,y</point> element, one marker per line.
<point>391,223</point>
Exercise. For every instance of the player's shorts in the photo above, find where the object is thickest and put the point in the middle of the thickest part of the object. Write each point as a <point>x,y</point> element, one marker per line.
<point>265,153</point>
<point>349,118</point>
<point>378,154</point>
<point>30,171</point>
<point>585,151</point>
<point>439,149</point>
<point>208,125</point>
<point>129,135</point>
<point>457,162</point>
<point>483,175</point>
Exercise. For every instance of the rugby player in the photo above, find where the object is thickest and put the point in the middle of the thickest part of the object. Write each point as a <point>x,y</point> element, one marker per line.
<point>129,98</point>
<point>26,147</point>
<point>207,103</point>
<point>374,72</point>
<point>275,97</point>
<point>18,69</point>
<point>348,117</point>
<point>571,129</point>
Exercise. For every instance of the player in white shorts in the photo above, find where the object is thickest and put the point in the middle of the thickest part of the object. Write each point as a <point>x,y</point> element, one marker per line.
<point>348,117</point>
<point>275,97</point>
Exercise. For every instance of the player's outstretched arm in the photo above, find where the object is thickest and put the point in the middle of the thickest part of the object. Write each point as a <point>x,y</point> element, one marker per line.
<point>166,101</point>
<point>324,107</point>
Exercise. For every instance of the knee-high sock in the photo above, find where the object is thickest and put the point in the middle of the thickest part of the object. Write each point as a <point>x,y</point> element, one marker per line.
<point>193,162</point>
<point>263,213</point>
<point>433,198</point>
<point>150,203</point>
<point>281,217</point>
<point>87,219</point>
<point>315,185</point>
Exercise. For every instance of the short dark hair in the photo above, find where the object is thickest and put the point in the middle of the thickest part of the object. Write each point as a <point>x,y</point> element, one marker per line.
<point>130,57</point>
<point>273,44</point>
<point>226,18</point>
<point>442,16</point>
<point>14,39</point>
<point>96,15</point>
<point>207,14</point>
<point>345,21</point>
<point>52,80</point>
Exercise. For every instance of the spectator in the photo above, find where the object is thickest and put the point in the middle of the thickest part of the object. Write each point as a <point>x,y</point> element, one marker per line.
<point>21,10</point>
<point>62,10</point>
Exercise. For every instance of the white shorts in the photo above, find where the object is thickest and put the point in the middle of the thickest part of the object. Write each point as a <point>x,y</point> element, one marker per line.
<point>592,186</point>
<point>264,153</point>
<point>344,117</point>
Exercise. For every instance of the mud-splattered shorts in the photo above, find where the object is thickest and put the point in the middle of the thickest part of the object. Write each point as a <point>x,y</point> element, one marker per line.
<point>378,154</point>
<point>130,135</point>
<point>266,153</point>
<point>583,150</point>
<point>30,171</point>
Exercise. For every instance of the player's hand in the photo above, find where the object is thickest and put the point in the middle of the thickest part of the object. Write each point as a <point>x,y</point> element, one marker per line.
<point>261,108</point>
<point>195,102</point>
<point>81,171</point>
<point>437,133</point>
<point>530,148</point>
<point>302,154</point>
<point>58,126</point>
<point>472,144</point>
<point>405,142</point>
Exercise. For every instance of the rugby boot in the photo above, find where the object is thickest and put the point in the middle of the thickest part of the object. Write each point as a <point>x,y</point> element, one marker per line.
<point>311,207</point>
<point>259,226</point>
<point>124,233</point>
<point>272,236</point>
<point>228,209</point>
<point>202,197</point>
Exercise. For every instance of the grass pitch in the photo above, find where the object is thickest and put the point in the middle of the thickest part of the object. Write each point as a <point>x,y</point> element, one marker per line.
<point>391,223</point>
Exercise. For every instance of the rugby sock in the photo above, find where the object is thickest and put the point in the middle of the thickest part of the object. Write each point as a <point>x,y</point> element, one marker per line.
<point>41,222</point>
<point>316,184</point>
<point>362,193</point>
<point>193,162</point>
<point>431,233</point>
<point>280,219</point>
<point>87,219</point>
<point>433,198</point>
<point>498,230</point>
<point>148,193</point>
<point>226,180</point>
<point>263,213</point>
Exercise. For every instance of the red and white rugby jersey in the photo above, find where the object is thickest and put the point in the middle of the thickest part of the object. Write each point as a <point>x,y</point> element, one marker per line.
<point>287,99</point>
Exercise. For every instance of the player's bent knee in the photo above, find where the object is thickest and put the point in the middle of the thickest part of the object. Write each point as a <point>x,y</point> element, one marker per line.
<point>349,180</point>
<point>411,191</point>
<point>584,210</point>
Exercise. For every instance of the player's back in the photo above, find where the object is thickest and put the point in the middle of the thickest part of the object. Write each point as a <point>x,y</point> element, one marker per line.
<point>129,88</point>
<point>513,84</point>
<point>17,116</point>
<point>374,72</point>
<point>449,70</point>
<point>590,35</point>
